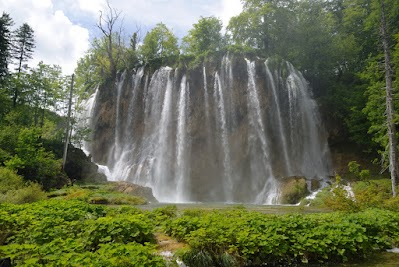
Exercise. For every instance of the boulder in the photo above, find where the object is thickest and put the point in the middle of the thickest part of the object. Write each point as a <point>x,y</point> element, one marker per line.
<point>293,189</point>
<point>79,167</point>
<point>135,190</point>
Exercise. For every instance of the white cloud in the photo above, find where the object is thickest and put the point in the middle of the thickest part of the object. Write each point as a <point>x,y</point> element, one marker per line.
<point>58,41</point>
<point>63,28</point>
<point>230,9</point>
<point>92,6</point>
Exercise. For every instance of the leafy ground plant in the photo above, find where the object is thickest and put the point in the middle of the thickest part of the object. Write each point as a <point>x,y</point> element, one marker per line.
<point>243,238</point>
<point>75,233</point>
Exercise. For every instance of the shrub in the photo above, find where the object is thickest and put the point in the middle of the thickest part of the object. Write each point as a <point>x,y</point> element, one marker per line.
<point>9,180</point>
<point>119,229</point>
<point>68,252</point>
<point>28,194</point>
<point>241,238</point>
<point>162,215</point>
<point>98,200</point>
<point>127,200</point>
<point>33,162</point>
<point>372,193</point>
<point>339,199</point>
<point>392,204</point>
<point>74,233</point>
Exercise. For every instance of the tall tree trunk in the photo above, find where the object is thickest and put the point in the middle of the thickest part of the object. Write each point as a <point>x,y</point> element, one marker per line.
<point>16,89</point>
<point>68,130</point>
<point>393,156</point>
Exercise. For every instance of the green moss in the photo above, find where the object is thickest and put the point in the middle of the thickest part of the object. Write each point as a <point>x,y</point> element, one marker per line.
<point>293,190</point>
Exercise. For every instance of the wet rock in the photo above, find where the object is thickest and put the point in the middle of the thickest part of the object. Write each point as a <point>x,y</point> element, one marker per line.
<point>293,189</point>
<point>79,167</point>
<point>135,190</point>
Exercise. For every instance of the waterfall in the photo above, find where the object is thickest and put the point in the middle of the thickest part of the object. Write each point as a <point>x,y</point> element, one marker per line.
<point>279,119</point>
<point>85,118</point>
<point>268,193</point>
<point>227,132</point>
<point>313,151</point>
<point>206,98</point>
<point>182,143</point>
<point>218,95</point>
<point>118,147</point>
<point>163,148</point>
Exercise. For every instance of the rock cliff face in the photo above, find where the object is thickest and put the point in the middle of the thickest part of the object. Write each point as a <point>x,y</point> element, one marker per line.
<point>224,132</point>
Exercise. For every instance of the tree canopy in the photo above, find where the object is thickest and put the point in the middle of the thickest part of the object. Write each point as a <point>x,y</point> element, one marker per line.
<point>205,37</point>
<point>158,44</point>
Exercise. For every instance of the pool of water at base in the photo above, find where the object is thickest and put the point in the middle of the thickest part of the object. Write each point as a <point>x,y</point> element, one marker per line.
<point>385,259</point>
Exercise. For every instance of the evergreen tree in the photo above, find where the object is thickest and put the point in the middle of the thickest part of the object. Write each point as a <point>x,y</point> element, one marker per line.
<point>23,46</point>
<point>5,44</point>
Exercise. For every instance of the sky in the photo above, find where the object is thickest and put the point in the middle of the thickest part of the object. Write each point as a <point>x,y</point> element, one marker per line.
<point>64,28</point>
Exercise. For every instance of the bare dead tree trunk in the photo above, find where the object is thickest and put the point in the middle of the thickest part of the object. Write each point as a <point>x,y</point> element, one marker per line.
<point>107,26</point>
<point>393,156</point>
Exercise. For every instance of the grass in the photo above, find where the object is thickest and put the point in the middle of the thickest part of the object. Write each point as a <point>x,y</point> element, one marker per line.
<point>104,193</point>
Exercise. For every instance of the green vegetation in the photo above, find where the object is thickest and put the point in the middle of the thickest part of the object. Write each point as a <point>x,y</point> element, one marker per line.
<point>73,232</point>
<point>15,190</point>
<point>105,193</point>
<point>242,238</point>
<point>159,44</point>
<point>293,190</point>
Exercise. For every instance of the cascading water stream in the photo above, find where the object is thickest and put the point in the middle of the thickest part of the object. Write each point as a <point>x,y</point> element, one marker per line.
<point>85,118</point>
<point>124,148</point>
<point>255,119</point>
<point>182,143</point>
<point>117,147</point>
<point>315,153</point>
<point>206,98</point>
<point>279,119</point>
<point>218,96</point>
<point>163,149</point>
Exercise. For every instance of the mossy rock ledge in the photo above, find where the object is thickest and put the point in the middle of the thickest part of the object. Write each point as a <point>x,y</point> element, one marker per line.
<point>135,190</point>
<point>294,189</point>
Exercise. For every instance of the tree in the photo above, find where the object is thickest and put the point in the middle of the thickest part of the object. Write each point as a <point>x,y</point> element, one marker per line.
<point>393,156</point>
<point>204,37</point>
<point>131,58</point>
<point>374,24</point>
<point>158,44</point>
<point>5,44</point>
<point>112,38</point>
<point>47,90</point>
<point>266,25</point>
<point>23,46</point>
<point>33,162</point>
<point>5,58</point>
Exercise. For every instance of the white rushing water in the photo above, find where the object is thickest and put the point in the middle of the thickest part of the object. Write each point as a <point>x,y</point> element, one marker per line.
<point>182,144</point>
<point>217,134</point>
<point>221,115</point>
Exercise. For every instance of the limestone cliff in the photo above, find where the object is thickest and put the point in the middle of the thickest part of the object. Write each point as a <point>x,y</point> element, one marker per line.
<point>225,131</point>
